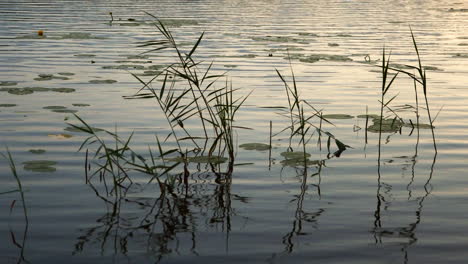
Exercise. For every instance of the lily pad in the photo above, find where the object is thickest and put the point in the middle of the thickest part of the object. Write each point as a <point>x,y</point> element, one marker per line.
<point>81,105</point>
<point>66,73</point>
<point>344,35</point>
<point>38,89</point>
<point>64,110</point>
<point>149,73</point>
<point>102,81</point>
<point>40,165</point>
<point>7,105</point>
<point>389,125</point>
<point>338,116</point>
<point>60,136</point>
<point>432,68</point>
<point>54,107</point>
<point>48,77</point>
<point>63,90</point>
<point>307,34</point>
<point>156,67</point>
<point>420,126</point>
<point>137,57</point>
<point>317,57</point>
<point>37,151</point>
<point>255,146</point>
<point>8,83</point>
<point>333,44</point>
<point>20,91</point>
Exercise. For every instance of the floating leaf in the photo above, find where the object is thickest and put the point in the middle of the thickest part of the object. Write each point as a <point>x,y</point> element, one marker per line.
<point>54,107</point>
<point>60,136</point>
<point>370,116</point>
<point>40,165</point>
<point>102,81</point>
<point>421,126</point>
<point>20,91</point>
<point>338,116</point>
<point>63,90</point>
<point>64,110</point>
<point>7,83</point>
<point>7,105</point>
<point>388,125</point>
<point>66,73</point>
<point>85,55</point>
<point>255,146</point>
<point>37,151</point>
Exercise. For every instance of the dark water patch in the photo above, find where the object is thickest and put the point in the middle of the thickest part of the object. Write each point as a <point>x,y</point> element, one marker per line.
<point>200,159</point>
<point>280,39</point>
<point>292,155</point>
<point>333,44</point>
<point>84,55</point>
<point>460,55</point>
<point>318,57</point>
<point>299,162</point>
<point>7,105</point>
<point>81,105</point>
<point>370,116</point>
<point>79,35</point>
<point>124,67</point>
<point>130,61</point>
<point>81,129</point>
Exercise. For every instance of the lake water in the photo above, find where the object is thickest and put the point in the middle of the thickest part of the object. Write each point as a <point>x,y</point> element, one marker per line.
<point>410,209</point>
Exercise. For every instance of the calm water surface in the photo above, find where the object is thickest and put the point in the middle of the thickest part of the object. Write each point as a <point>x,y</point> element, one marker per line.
<point>413,210</point>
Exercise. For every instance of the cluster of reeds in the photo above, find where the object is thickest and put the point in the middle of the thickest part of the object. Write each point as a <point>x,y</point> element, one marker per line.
<point>419,78</point>
<point>306,121</point>
<point>201,99</point>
